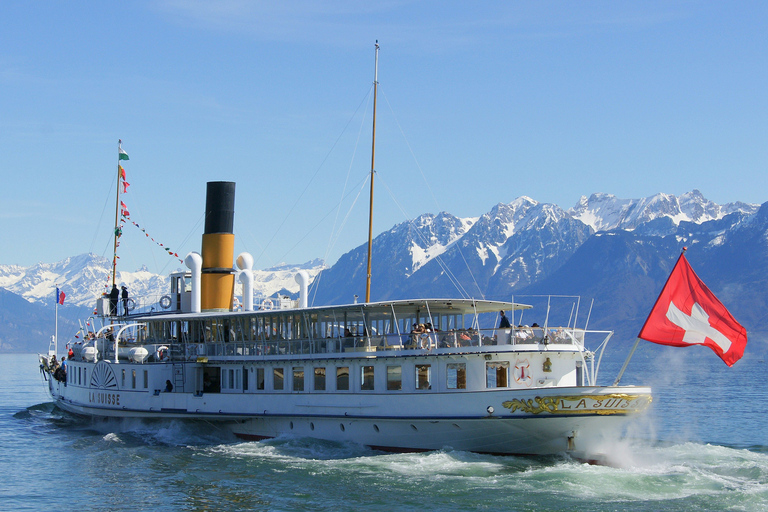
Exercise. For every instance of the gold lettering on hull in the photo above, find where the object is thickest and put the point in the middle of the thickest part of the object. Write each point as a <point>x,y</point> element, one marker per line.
<point>616,403</point>
<point>98,397</point>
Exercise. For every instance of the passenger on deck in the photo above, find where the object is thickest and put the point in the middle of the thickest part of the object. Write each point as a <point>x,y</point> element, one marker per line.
<point>416,332</point>
<point>124,296</point>
<point>504,322</point>
<point>448,339</point>
<point>537,332</point>
<point>523,333</point>
<point>114,295</point>
<point>60,372</point>
<point>168,386</point>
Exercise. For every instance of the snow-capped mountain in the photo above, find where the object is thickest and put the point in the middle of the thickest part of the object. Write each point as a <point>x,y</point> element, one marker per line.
<point>85,277</point>
<point>603,212</point>
<point>281,278</point>
<point>512,245</point>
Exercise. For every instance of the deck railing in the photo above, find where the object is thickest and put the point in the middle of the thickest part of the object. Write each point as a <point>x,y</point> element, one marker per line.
<point>161,350</point>
<point>448,341</point>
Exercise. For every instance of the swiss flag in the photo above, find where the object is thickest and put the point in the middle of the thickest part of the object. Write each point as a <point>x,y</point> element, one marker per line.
<point>688,313</point>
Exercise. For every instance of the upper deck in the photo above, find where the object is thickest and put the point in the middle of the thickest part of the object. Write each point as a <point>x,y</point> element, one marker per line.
<point>389,328</point>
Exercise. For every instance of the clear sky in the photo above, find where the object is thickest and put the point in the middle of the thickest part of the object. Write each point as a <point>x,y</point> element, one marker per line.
<point>479,103</point>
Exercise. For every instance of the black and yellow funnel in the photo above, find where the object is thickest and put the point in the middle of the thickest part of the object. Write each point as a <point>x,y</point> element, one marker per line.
<point>218,276</point>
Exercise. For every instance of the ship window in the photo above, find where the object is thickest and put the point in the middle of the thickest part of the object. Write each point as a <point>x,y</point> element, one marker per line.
<point>85,376</point>
<point>123,383</point>
<point>319,379</point>
<point>394,378</point>
<point>133,379</point>
<point>245,379</point>
<point>260,378</point>
<point>212,380</point>
<point>277,379</point>
<point>366,378</point>
<point>79,376</point>
<point>496,374</point>
<point>342,378</point>
<point>298,378</point>
<point>423,376</point>
<point>233,378</point>
<point>456,376</point>
<point>146,379</point>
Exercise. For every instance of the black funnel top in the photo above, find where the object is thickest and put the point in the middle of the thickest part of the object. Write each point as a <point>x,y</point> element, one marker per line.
<point>220,207</point>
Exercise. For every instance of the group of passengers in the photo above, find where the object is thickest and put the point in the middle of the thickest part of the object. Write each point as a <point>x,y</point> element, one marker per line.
<point>535,333</point>
<point>58,370</point>
<point>419,337</point>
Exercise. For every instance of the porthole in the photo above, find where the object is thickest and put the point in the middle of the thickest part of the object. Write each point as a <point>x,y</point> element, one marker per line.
<point>291,425</point>
<point>311,426</point>
<point>376,427</point>
<point>341,426</point>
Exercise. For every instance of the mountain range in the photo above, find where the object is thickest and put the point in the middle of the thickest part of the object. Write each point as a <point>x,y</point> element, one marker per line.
<point>618,252</point>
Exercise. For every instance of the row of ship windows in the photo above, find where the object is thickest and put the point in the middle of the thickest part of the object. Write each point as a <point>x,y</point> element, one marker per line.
<point>215,379</point>
<point>233,379</point>
<point>78,376</point>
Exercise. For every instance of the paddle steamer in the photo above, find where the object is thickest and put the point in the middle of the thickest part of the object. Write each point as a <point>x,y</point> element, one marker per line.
<point>406,375</point>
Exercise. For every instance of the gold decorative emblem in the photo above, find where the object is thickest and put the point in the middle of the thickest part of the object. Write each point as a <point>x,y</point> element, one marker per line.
<point>614,403</point>
<point>548,404</point>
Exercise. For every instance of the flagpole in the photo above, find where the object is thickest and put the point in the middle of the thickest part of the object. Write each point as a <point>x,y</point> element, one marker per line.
<point>637,340</point>
<point>682,254</point>
<point>117,215</point>
<point>56,325</point>
<point>631,353</point>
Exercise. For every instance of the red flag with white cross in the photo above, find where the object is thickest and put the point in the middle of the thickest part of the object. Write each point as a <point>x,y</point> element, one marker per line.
<point>688,313</point>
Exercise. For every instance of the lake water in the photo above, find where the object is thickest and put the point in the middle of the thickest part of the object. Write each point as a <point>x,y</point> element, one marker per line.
<point>703,446</point>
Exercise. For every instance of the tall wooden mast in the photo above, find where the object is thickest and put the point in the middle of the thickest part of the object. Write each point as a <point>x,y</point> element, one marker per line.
<point>117,214</point>
<point>373,159</point>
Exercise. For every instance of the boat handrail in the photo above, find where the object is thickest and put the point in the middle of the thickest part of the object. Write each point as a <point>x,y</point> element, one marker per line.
<point>461,340</point>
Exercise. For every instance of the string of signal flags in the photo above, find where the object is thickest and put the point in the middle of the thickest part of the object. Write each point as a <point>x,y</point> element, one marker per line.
<point>125,214</point>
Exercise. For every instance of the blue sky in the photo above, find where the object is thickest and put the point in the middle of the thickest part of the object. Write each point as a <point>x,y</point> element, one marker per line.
<point>479,103</point>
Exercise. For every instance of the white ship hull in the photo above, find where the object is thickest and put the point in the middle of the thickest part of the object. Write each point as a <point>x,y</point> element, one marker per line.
<point>517,419</point>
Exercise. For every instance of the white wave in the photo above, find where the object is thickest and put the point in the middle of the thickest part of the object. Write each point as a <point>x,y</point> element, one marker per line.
<point>112,438</point>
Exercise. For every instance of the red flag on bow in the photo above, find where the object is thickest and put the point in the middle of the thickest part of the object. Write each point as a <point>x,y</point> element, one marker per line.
<point>688,313</point>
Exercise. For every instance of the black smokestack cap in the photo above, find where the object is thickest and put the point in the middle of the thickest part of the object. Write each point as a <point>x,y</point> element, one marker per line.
<point>220,207</point>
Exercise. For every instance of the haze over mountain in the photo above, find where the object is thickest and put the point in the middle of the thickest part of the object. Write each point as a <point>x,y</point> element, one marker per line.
<point>617,251</point>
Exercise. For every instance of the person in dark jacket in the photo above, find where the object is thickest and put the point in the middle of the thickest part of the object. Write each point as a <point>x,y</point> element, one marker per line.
<point>124,296</point>
<point>114,295</point>
<point>504,323</point>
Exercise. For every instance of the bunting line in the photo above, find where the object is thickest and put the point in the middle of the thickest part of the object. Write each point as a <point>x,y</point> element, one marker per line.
<point>126,216</point>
